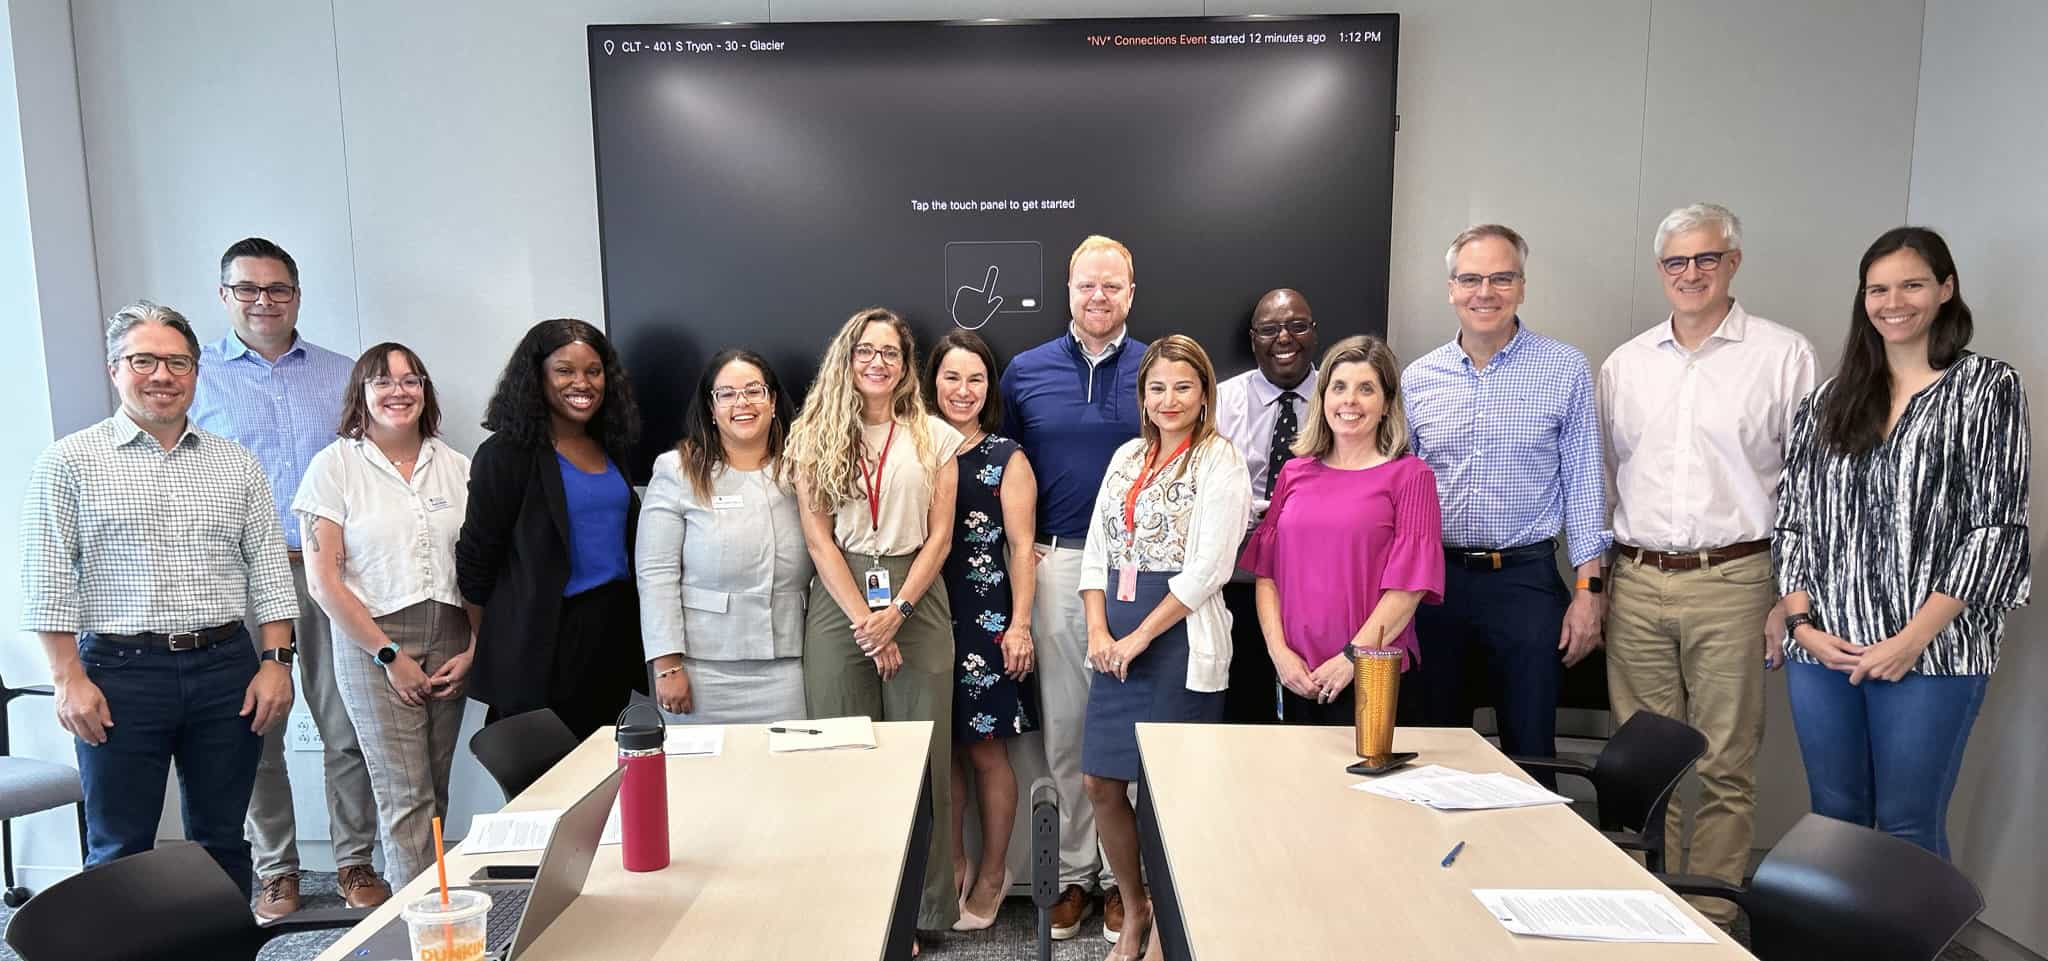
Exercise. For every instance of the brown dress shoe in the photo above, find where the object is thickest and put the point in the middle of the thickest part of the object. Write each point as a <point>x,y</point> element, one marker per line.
<point>1113,914</point>
<point>277,895</point>
<point>361,887</point>
<point>1073,907</point>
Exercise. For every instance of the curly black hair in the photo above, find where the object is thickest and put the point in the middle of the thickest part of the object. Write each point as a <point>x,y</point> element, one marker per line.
<point>519,406</point>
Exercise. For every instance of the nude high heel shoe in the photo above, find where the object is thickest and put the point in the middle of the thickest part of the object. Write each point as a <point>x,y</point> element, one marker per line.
<point>969,921</point>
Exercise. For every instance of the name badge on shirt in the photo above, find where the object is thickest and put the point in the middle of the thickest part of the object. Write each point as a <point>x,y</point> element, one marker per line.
<point>727,502</point>
<point>877,589</point>
<point>437,503</point>
<point>1127,582</point>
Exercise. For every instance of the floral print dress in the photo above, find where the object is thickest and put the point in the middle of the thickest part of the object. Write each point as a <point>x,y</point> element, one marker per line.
<point>986,703</point>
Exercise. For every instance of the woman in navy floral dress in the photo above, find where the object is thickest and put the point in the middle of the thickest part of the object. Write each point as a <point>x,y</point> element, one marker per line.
<point>990,577</point>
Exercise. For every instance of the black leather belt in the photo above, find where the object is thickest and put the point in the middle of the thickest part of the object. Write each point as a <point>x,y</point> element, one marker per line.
<point>1056,541</point>
<point>1488,559</point>
<point>180,641</point>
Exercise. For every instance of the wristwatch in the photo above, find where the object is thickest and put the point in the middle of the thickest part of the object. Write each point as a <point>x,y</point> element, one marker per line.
<point>386,654</point>
<point>282,655</point>
<point>907,608</point>
<point>1593,585</point>
<point>1794,621</point>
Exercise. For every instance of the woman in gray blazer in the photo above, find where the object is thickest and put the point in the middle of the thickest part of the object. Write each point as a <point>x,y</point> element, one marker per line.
<point>724,575</point>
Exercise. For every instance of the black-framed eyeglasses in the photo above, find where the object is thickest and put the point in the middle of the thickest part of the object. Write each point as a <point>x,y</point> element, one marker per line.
<point>1498,281</point>
<point>864,353</point>
<point>250,293</point>
<point>1707,260</point>
<point>411,382</point>
<point>728,396</point>
<point>145,363</point>
<point>1297,327</point>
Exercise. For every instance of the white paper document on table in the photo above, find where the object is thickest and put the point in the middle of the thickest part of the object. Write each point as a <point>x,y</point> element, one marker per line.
<point>524,831</point>
<point>1592,915</point>
<point>1448,789</point>
<point>695,740</point>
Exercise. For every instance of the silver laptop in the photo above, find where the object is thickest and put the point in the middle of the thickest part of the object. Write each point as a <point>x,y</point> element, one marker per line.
<point>521,910</point>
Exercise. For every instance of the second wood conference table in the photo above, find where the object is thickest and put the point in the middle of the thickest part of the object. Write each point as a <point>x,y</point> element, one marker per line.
<point>799,855</point>
<point>1257,847</point>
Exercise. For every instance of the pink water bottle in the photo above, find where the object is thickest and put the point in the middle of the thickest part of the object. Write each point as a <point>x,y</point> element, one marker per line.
<point>643,792</point>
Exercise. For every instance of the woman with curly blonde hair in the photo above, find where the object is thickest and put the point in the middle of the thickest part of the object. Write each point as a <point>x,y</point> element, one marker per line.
<point>876,480</point>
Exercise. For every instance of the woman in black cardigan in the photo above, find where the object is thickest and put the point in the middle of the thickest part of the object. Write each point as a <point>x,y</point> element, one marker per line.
<point>546,547</point>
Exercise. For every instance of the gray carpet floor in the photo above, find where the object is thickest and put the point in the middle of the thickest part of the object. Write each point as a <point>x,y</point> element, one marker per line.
<point>1011,939</point>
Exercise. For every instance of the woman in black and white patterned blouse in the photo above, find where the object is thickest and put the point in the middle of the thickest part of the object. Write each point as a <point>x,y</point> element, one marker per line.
<point>1902,542</point>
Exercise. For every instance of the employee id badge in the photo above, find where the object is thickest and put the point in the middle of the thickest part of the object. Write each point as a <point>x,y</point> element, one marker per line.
<point>1127,582</point>
<point>877,586</point>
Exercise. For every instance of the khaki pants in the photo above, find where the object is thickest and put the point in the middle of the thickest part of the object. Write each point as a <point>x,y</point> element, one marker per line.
<point>840,681</point>
<point>351,809</point>
<point>1059,625</point>
<point>1689,645</point>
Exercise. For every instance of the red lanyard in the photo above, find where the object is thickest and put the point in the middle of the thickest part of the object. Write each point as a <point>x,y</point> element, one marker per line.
<point>1145,480</point>
<point>874,484</point>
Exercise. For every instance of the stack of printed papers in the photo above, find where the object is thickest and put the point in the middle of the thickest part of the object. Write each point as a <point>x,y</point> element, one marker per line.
<point>1592,915</point>
<point>1447,789</point>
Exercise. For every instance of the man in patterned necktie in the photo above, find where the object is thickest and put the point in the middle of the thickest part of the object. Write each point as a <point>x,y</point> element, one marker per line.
<point>1505,418</point>
<point>1260,412</point>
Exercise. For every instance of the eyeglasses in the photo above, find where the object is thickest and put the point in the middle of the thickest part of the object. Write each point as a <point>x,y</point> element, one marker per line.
<point>1087,289</point>
<point>1298,328</point>
<point>1708,261</point>
<point>862,353</point>
<point>179,364</point>
<point>728,396</point>
<point>411,382</point>
<point>1500,281</point>
<point>250,293</point>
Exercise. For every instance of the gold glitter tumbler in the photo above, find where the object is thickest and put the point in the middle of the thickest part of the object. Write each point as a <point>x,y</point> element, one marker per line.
<point>1377,688</point>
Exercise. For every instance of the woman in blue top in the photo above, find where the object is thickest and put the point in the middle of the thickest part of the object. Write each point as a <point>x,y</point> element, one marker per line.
<point>545,551</point>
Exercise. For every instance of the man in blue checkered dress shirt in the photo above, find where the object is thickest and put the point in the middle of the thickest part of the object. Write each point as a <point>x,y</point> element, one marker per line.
<point>1506,419</point>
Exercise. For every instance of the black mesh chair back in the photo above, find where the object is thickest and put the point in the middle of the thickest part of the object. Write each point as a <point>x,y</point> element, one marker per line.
<point>1831,889</point>
<point>1640,768</point>
<point>517,750</point>
<point>170,902</point>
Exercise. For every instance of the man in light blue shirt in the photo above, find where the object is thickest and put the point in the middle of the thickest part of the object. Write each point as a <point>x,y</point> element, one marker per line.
<point>264,387</point>
<point>1506,419</point>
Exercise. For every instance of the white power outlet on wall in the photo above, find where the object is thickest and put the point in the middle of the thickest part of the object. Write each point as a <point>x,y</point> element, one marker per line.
<point>300,734</point>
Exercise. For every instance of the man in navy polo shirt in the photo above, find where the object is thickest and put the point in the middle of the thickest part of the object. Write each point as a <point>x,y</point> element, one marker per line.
<point>1071,402</point>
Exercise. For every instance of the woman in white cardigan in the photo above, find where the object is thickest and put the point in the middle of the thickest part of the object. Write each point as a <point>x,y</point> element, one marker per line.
<point>720,557</point>
<point>1162,544</point>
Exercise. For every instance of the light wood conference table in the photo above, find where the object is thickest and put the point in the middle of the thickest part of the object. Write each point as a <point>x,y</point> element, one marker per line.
<point>798,855</point>
<point>1256,847</point>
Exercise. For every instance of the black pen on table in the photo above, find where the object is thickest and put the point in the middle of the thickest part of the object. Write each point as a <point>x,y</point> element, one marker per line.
<point>1453,856</point>
<point>794,730</point>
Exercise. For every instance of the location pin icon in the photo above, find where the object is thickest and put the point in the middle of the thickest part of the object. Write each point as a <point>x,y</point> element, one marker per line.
<point>607,48</point>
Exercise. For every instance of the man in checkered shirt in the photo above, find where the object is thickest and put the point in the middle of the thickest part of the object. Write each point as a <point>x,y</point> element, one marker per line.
<point>1506,419</point>
<point>144,540</point>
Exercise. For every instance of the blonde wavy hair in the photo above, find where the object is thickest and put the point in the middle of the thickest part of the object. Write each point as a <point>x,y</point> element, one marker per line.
<point>1182,348</point>
<point>825,448</point>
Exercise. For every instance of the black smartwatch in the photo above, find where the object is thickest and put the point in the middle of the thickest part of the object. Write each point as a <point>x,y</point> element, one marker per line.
<point>1794,621</point>
<point>282,655</point>
<point>1593,585</point>
<point>907,608</point>
<point>386,654</point>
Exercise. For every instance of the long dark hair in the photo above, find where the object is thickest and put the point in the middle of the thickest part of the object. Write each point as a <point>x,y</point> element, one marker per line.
<point>956,339</point>
<point>519,407</point>
<point>376,362</point>
<point>1853,411</point>
<point>702,450</point>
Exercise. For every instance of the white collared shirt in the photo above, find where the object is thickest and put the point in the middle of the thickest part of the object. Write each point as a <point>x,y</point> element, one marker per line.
<point>1108,347</point>
<point>1695,439</point>
<point>1246,408</point>
<point>397,536</point>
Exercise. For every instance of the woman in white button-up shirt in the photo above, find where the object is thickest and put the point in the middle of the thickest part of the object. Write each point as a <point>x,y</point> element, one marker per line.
<point>720,557</point>
<point>379,510</point>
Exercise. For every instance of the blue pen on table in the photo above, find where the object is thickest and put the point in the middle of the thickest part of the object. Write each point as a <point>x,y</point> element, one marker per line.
<point>794,730</point>
<point>1453,856</point>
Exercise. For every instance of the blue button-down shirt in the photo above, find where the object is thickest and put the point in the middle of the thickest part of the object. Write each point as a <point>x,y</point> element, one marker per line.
<point>284,412</point>
<point>1515,445</point>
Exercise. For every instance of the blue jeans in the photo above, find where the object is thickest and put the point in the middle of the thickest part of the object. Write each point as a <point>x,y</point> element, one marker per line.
<point>184,705</point>
<point>1884,754</point>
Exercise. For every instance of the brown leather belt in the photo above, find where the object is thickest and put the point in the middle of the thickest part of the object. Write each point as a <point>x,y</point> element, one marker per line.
<point>1691,560</point>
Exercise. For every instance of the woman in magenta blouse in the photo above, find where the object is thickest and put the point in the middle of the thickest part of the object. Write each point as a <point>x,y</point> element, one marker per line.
<point>1353,541</point>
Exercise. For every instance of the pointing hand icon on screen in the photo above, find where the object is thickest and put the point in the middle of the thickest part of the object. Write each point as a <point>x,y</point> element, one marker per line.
<point>975,306</point>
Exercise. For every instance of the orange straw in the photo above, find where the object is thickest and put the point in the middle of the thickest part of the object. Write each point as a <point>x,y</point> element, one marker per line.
<point>441,869</point>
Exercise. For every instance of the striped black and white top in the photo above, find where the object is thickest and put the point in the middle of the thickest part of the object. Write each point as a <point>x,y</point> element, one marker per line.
<point>1939,506</point>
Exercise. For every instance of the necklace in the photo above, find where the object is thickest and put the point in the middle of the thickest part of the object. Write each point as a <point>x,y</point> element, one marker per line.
<point>969,443</point>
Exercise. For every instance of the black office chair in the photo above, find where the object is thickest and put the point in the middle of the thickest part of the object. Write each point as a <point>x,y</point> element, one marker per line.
<point>1633,779</point>
<point>517,750</point>
<point>27,786</point>
<point>1832,889</point>
<point>169,902</point>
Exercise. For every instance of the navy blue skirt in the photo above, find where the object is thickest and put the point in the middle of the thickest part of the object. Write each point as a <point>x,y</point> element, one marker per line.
<point>1156,688</point>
